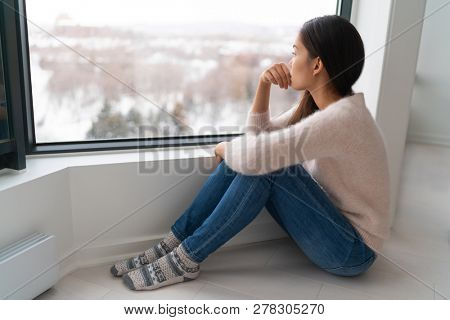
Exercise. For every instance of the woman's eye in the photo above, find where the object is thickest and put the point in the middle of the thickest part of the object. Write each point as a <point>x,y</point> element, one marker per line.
<point>293,53</point>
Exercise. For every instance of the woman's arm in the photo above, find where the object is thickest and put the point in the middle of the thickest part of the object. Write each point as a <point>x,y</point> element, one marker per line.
<point>326,133</point>
<point>259,114</point>
<point>257,122</point>
<point>258,117</point>
<point>262,97</point>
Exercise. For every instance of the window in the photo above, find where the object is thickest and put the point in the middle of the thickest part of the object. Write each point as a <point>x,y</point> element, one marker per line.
<point>12,142</point>
<point>4,126</point>
<point>95,71</point>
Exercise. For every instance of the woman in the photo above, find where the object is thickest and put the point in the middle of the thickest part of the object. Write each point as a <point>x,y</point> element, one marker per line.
<point>320,169</point>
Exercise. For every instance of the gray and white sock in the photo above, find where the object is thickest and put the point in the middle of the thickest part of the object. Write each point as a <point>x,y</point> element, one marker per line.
<point>159,250</point>
<point>177,266</point>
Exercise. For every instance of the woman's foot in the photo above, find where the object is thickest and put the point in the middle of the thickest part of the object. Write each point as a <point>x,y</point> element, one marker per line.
<point>159,250</point>
<point>174,267</point>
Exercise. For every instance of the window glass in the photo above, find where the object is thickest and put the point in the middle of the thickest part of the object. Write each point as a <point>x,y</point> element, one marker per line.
<point>102,68</point>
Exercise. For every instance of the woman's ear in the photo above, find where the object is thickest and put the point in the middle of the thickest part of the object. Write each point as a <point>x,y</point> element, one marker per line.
<point>318,66</point>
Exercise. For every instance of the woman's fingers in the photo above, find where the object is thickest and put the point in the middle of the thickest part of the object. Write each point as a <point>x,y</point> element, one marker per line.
<point>218,159</point>
<point>288,73</point>
<point>284,82</point>
<point>283,69</point>
<point>279,76</point>
<point>272,77</point>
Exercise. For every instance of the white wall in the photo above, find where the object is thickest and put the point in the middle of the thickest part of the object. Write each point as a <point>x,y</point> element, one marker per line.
<point>40,205</point>
<point>430,108</point>
<point>365,15</point>
<point>389,78</point>
<point>76,204</point>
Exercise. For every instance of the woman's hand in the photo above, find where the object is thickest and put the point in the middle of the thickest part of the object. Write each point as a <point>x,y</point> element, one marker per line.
<point>278,74</point>
<point>219,152</point>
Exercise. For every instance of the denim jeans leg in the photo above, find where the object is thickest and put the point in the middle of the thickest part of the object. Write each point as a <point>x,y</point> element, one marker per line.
<point>360,259</point>
<point>303,208</point>
<point>241,203</point>
<point>205,201</point>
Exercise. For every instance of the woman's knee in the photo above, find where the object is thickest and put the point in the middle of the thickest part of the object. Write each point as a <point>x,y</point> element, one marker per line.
<point>353,271</point>
<point>222,166</point>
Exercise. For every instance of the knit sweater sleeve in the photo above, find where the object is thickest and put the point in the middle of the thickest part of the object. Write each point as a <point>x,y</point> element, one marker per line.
<point>325,133</point>
<point>262,121</point>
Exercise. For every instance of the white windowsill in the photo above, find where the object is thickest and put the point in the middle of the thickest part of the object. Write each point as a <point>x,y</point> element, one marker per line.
<point>42,165</point>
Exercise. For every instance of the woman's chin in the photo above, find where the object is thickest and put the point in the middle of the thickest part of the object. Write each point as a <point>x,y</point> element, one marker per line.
<point>296,88</point>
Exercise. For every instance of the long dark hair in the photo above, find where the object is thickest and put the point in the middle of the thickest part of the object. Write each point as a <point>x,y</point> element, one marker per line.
<point>340,47</point>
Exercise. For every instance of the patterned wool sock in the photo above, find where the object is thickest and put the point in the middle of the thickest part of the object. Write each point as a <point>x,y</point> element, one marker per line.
<point>159,250</point>
<point>174,267</point>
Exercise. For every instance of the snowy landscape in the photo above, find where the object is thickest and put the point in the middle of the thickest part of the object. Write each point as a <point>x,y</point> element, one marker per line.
<point>103,81</point>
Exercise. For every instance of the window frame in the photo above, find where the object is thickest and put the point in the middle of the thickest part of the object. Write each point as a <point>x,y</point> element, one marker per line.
<point>13,149</point>
<point>22,104</point>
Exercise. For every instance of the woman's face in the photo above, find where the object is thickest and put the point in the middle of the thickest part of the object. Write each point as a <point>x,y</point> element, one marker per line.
<point>302,68</point>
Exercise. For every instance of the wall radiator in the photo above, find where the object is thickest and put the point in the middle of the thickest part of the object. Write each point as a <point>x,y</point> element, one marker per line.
<point>22,261</point>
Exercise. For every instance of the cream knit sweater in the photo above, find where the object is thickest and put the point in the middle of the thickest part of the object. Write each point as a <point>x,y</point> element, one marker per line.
<point>342,148</point>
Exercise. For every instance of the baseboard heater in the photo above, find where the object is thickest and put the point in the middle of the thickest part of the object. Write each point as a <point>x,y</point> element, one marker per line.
<point>24,260</point>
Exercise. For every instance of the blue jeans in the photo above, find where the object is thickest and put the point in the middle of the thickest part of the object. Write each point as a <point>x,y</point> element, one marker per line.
<point>228,201</point>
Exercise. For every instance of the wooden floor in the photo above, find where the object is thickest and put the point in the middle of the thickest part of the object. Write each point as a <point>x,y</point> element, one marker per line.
<point>415,261</point>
